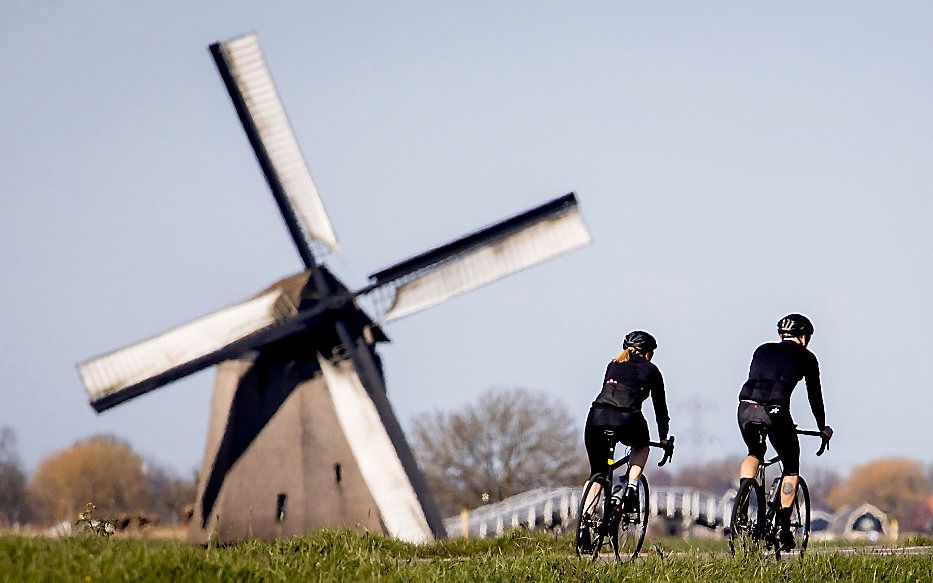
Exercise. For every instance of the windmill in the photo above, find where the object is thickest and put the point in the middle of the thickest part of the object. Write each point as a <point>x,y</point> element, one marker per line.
<point>302,434</point>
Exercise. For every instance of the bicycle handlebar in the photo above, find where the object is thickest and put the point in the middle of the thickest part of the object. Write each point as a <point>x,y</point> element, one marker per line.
<point>667,447</point>
<point>823,446</point>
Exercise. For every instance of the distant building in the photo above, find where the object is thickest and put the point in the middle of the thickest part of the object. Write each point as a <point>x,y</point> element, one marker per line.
<point>865,521</point>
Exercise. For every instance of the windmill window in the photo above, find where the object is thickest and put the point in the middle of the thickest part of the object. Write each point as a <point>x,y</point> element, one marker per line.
<point>337,473</point>
<point>280,501</point>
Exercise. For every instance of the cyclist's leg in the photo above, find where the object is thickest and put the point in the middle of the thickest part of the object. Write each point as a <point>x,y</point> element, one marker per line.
<point>787,445</point>
<point>784,439</point>
<point>749,467</point>
<point>788,490</point>
<point>596,446</point>
<point>637,461</point>
<point>753,424</point>
<point>633,432</point>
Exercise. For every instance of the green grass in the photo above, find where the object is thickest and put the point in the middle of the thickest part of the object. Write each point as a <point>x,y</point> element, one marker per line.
<point>918,540</point>
<point>342,555</point>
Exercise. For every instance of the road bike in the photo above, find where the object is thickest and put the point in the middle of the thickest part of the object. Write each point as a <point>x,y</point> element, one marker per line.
<point>603,517</point>
<point>754,515</point>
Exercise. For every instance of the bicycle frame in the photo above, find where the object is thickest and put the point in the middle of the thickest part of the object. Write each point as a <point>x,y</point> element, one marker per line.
<point>767,530</point>
<point>608,525</point>
<point>613,464</point>
<point>776,459</point>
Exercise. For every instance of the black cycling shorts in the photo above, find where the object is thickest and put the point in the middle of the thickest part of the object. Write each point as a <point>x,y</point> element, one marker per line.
<point>756,421</point>
<point>630,429</point>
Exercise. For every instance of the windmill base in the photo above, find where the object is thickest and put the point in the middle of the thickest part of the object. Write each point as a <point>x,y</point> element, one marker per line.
<point>277,462</point>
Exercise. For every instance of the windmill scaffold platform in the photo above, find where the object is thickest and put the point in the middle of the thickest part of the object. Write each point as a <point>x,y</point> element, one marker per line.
<point>302,435</point>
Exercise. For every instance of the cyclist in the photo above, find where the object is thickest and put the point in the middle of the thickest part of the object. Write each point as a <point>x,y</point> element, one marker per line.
<point>764,408</point>
<point>630,378</point>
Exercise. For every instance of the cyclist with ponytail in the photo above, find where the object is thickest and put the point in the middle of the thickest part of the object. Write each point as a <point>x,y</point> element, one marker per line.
<point>630,379</point>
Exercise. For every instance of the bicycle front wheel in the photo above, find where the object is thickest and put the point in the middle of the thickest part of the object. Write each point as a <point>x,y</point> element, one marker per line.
<point>589,534</point>
<point>748,515</point>
<point>799,522</point>
<point>632,524</point>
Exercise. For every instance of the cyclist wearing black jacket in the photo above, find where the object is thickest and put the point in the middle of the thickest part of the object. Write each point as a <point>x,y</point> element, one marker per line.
<point>630,379</point>
<point>764,407</point>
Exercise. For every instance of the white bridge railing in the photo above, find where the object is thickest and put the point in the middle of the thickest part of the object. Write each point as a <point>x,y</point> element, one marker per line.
<point>551,508</point>
<point>538,508</point>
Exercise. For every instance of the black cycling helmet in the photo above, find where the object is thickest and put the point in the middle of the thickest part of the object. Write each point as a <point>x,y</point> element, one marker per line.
<point>795,325</point>
<point>640,341</point>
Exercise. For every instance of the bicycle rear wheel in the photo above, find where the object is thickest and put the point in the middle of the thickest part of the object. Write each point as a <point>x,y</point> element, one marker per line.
<point>631,526</point>
<point>748,516</point>
<point>799,522</point>
<point>589,534</point>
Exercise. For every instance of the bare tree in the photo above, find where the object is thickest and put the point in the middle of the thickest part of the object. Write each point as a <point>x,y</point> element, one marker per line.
<point>821,481</point>
<point>12,481</point>
<point>169,493</point>
<point>505,442</point>
<point>714,476</point>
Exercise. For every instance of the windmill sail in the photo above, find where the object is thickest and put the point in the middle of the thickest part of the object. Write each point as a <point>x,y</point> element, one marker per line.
<point>379,462</point>
<point>541,233</point>
<point>243,68</point>
<point>128,372</point>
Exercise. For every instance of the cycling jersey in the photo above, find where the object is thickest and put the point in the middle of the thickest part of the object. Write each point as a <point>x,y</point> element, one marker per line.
<point>776,369</point>
<point>627,385</point>
<point>618,407</point>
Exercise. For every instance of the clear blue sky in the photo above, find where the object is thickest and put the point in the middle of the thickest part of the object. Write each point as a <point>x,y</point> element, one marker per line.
<point>735,162</point>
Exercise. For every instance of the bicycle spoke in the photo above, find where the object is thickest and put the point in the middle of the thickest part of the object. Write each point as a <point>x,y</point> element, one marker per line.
<point>747,526</point>
<point>588,537</point>
<point>800,519</point>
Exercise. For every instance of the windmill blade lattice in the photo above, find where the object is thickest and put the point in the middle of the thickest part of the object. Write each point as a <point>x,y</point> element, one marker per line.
<point>480,258</point>
<point>131,371</point>
<point>242,66</point>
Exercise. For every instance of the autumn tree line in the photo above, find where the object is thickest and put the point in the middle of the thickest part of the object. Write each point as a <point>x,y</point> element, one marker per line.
<point>101,469</point>
<point>504,442</point>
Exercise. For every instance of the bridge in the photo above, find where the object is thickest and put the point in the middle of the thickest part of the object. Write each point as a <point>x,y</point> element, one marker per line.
<point>556,508</point>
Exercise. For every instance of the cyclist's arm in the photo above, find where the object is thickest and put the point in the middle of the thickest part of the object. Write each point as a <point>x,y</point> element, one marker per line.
<point>815,392</point>
<point>659,402</point>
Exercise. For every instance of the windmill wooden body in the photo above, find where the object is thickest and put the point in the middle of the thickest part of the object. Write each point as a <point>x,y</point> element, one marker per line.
<point>302,435</point>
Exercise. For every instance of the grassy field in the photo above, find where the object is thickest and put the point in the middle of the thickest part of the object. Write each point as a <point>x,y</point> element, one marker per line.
<point>341,555</point>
